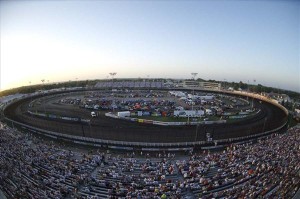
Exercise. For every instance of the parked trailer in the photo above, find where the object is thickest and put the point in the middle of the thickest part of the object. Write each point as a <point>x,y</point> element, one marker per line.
<point>189,113</point>
<point>124,114</point>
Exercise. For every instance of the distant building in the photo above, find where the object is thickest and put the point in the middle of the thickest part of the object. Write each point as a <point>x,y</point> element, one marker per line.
<point>210,85</point>
<point>279,97</point>
<point>179,84</point>
<point>190,83</point>
<point>202,85</point>
<point>169,83</point>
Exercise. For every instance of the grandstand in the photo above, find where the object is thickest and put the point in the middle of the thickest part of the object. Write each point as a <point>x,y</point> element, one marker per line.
<point>37,168</point>
<point>130,84</point>
<point>33,168</point>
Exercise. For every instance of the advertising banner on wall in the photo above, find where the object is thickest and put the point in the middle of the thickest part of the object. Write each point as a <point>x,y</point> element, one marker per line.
<point>140,120</point>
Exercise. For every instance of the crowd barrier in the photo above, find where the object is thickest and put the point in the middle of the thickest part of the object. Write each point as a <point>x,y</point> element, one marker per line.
<point>259,97</point>
<point>51,116</point>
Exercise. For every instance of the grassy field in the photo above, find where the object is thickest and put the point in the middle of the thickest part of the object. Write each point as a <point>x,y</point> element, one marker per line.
<point>176,119</point>
<point>162,119</point>
<point>183,119</point>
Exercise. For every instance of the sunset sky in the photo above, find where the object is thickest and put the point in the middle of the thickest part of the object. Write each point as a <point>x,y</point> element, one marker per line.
<point>221,40</point>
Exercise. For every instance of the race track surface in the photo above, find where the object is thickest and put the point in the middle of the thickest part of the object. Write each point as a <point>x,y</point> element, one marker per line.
<point>115,129</point>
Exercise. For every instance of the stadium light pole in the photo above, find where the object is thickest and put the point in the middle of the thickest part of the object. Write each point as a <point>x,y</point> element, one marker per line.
<point>193,76</point>
<point>112,74</point>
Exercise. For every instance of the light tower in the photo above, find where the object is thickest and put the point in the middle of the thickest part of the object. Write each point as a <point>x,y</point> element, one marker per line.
<point>43,81</point>
<point>112,74</point>
<point>193,77</point>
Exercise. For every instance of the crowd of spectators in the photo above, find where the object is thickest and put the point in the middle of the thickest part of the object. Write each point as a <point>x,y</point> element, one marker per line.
<point>268,168</point>
<point>33,168</point>
<point>137,178</point>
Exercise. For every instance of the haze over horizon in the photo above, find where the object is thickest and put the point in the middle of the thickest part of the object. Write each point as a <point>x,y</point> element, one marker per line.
<point>220,40</point>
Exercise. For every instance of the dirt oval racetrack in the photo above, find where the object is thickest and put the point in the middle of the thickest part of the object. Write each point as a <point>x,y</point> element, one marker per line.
<point>269,118</point>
